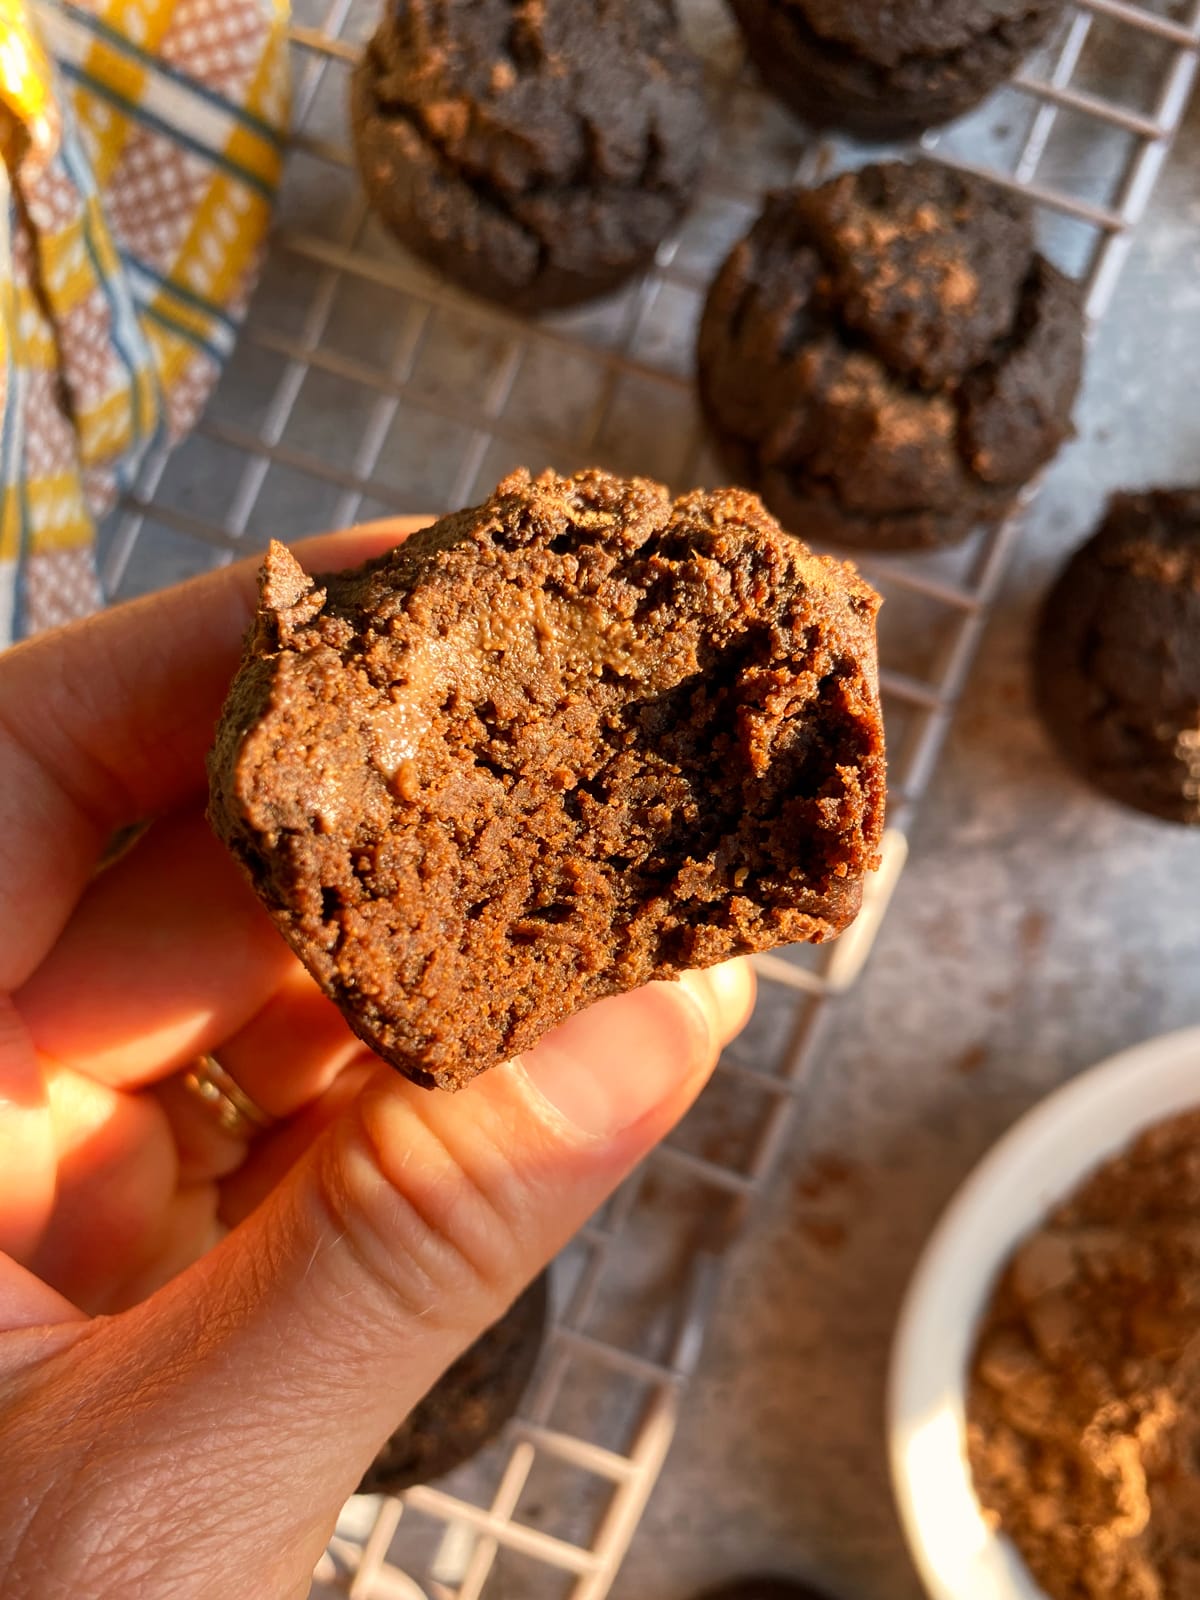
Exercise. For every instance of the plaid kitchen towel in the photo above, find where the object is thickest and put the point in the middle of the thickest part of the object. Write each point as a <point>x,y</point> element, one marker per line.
<point>140,148</point>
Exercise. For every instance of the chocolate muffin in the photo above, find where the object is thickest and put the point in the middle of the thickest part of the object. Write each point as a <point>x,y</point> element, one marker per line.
<point>1117,655</point>
<point>887,358</point>
<point>470,1402</point>
<point>552,747</point>
<point>889,71</point>
<point>534,151</point>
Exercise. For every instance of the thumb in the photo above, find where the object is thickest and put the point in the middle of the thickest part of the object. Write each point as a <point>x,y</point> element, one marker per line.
<point>224,1421</point>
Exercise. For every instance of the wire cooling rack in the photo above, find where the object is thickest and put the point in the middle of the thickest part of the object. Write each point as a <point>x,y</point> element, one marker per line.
<point>362,385</point>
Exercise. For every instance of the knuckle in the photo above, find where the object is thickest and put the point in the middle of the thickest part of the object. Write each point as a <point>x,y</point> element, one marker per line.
<point>427,1221</point>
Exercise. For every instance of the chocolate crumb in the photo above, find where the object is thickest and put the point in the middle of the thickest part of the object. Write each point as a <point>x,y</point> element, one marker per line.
<point>826,1233</point>
<point>826,1170</point>
<point>1032,931</point>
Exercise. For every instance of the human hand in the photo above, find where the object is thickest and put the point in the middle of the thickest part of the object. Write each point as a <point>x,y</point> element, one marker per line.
<point>203,1341</point>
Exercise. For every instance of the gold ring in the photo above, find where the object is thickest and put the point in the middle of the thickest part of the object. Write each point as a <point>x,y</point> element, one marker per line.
<point>233,1108</point>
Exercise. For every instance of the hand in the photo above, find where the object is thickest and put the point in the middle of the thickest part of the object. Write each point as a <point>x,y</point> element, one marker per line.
<point>203,1341</point>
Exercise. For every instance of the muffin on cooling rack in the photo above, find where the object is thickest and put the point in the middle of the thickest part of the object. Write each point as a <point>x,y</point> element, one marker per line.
<point>469,1404</point>
<point>535,152</point>
<point>1117,655</point>
<point>889,71</point>
<point>887,359</point>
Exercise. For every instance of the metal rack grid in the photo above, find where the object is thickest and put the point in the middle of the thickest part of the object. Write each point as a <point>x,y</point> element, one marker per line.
<point>361,386</point>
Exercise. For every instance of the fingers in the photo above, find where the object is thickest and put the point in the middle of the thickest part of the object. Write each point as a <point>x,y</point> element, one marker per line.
<point>298,1343</point>
<point>604,1064</point>
<point>292,1049</point>
<point>115,1188</point>
<point>173,953</point>
<point>27,1302</point>
<point>190,1229</point>
<point>27,1153</point>
<point>285,1058</point>
<point>273,1155</point>
<point>108,721</point>
<point>205,1150</point>
<point>724,994</point>
<point>731,989</point>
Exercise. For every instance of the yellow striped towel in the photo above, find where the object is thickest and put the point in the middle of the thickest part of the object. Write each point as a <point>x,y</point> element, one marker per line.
<point>140,149</point>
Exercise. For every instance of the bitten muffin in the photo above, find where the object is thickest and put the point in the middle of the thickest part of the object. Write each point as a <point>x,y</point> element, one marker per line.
<point>1117,655</point>
<point>887,358</point>
<point>889,71</point>
<point>534,151</point>
<point>551,748</point>
<point>470,1402</point>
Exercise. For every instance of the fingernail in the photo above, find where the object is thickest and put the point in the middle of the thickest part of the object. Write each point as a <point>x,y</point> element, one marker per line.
<point>615,1063</point>
<point>731,989</point>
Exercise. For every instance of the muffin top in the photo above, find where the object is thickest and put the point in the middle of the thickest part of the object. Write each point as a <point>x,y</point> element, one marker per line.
<point>888,355</point>
<point>1118,654</point>
<point>534,151</point>
<point>540,94</point>
<point>888,34</point>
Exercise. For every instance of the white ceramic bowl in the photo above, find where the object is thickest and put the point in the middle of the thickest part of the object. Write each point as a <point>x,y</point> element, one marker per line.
<point>1037,1163</point>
